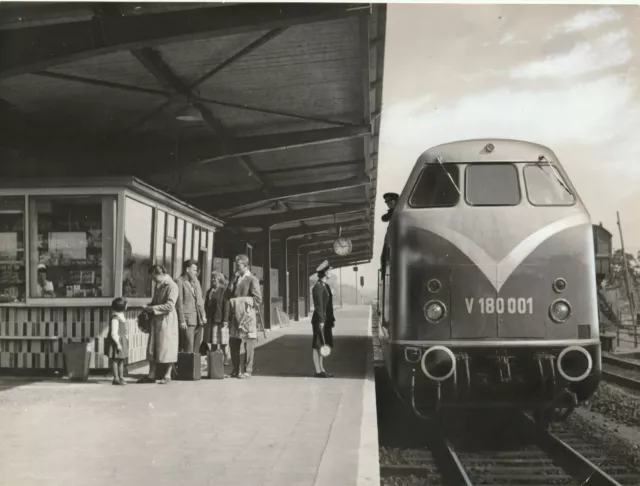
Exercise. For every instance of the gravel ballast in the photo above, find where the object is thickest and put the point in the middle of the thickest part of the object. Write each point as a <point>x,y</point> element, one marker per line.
<point>611,419</point>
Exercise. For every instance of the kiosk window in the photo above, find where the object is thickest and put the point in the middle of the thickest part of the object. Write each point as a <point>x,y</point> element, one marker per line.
<point>435,187</point>
<point>492,185</point>
<point>188,242</point>
<point>72,246</point>
<point>171,226</point>
<point>13,285</point>
<point>138,239</point>
<point>170,244</point>
<point>196,242</point>
<point>161,218</point>
<point>178,256</point>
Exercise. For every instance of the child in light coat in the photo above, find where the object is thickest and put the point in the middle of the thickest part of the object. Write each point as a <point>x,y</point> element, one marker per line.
<point>117,342</point>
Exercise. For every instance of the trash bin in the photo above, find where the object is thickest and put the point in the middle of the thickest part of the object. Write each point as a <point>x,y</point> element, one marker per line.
<point>77,356</point>
<point>607,342</point>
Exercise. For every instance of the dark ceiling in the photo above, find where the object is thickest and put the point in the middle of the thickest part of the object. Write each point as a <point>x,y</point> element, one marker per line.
<point>289,97</point>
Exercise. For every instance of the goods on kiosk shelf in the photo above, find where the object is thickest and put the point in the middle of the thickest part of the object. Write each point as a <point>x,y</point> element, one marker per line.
<point>12,263</point>
<point>70,251</point>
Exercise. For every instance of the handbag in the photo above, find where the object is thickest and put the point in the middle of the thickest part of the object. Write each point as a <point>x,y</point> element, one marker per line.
<point>325,351</point>
<point>144,322</point>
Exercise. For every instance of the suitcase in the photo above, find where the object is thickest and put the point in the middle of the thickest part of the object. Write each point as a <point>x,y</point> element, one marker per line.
<point>215,365</point>
<point>189,366</point>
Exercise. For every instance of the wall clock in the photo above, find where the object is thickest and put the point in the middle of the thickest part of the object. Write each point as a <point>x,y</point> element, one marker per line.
<point>342,246</point>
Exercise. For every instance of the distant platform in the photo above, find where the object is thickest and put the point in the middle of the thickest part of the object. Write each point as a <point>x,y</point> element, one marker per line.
<point>282,427</point>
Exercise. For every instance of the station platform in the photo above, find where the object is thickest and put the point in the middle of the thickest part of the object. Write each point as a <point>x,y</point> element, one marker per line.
<point>281,427</point>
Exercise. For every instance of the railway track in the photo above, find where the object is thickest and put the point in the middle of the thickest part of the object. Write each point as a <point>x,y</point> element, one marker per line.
<point>621,371</point>
<point>515,453</point>
<point>504,450</point>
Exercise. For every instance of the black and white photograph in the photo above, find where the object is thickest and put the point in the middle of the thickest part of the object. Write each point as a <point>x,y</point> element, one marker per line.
<point>319,243</point>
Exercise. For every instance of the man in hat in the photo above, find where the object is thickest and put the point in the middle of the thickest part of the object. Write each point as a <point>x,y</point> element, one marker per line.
<point>391,199</point>
<point>323,318</point>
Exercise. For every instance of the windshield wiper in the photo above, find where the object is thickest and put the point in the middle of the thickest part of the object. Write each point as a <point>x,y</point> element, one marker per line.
<point>557,176</point>
<point>439,160</point>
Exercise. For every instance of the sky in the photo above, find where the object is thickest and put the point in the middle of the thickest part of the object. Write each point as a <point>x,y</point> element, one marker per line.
<point>565,76</point>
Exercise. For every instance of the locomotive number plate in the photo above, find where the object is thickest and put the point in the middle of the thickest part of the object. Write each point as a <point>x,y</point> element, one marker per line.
<point>490,305</point>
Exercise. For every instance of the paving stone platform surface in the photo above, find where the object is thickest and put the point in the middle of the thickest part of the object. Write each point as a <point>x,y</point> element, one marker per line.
<point>281,427</point>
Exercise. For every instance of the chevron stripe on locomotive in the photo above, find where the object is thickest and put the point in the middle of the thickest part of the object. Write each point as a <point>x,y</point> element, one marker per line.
<point>487,283</point>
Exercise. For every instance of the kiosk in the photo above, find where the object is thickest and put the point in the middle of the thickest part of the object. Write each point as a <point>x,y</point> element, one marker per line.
<point>69,246</point>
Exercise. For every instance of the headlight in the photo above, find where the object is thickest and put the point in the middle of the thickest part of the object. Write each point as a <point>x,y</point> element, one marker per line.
<point>434,285</point>
<point>559,285</point>
<point>560,310</point>
<point>434,311</point>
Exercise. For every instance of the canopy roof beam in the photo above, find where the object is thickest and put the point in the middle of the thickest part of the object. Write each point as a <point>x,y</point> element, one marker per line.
<point>153,62</point>
<point>114,157</point>
<point>263,221</point>
<point>29,49</point>
<point>270,193</point>
<point>358,255</point>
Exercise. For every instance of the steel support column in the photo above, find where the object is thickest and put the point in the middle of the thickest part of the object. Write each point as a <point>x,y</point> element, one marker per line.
<point>296,283</point>
<point>266,276</point>
<point>282,276</point>
<point>307,304</point>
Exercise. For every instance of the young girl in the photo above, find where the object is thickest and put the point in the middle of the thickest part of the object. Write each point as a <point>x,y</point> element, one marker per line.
<point>117,339</point>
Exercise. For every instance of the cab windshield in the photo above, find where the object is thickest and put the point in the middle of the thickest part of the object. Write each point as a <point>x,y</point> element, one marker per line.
<point>546,187</point>
<point>490,184</point>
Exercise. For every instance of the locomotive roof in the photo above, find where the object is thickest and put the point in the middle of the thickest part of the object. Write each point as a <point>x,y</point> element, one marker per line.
<point>479,150</point>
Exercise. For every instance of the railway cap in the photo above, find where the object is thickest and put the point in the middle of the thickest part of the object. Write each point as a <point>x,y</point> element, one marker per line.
<point>390,196</point>
<point>323,267</point>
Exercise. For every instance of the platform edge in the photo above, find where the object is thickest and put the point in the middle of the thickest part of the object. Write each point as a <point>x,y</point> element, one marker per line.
<point>368,456</point>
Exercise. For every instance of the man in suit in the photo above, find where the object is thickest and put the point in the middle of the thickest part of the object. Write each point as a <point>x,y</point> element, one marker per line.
<point>244,285</point>
<point>191,313</point>
<point>323,319</point>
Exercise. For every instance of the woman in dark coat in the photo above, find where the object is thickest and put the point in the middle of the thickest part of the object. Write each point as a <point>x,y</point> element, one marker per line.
<point>323,319</point>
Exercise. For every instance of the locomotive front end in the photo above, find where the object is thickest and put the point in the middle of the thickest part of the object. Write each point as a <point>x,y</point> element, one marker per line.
<point>494,288</point>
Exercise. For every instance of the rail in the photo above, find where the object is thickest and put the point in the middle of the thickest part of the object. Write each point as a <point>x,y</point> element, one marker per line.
<point>460,453</point>
<point>620,371</point>
<point>625,335</point>
<point>573,462</point>
<point>544,458</point>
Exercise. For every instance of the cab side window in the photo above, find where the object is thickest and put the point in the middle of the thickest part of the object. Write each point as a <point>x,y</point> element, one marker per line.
<point>436,187</point>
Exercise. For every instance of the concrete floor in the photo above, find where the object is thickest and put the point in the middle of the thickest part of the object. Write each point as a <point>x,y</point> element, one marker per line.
<point>281,427</point>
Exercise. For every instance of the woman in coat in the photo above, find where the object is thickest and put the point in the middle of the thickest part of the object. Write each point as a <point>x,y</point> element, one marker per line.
<point>323,319</point>
<point>162,348</point>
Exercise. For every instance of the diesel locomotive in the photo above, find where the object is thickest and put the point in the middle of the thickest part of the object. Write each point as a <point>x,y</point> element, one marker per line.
<point>487,284</point>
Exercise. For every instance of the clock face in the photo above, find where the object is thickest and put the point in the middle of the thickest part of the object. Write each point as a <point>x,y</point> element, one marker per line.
<point>342,246</point>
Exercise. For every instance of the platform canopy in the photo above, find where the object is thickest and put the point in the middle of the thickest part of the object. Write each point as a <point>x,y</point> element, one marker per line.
<point>285,101</point>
